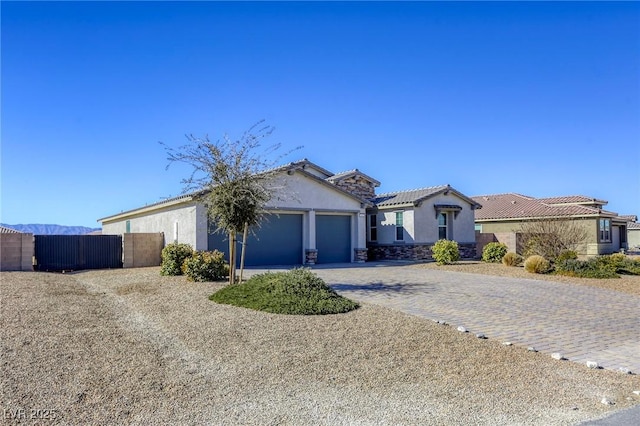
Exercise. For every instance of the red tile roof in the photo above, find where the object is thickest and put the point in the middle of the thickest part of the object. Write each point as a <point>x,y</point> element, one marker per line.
<point>573,199</point>
<point>517,206</point>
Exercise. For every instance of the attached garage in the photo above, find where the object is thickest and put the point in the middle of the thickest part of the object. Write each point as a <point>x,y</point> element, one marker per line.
<point>316,217</point>
<point>333,238</point>
<point>278,241</point>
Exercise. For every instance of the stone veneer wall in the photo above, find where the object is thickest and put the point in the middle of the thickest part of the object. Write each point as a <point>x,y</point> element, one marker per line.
<point>310,256</point>
<point>360,255</point>
<point>357,186</point>
<point>414,252</point>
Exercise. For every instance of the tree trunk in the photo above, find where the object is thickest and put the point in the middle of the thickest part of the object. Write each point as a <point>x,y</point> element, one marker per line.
<point>232,257</point>
<point>244,247</point>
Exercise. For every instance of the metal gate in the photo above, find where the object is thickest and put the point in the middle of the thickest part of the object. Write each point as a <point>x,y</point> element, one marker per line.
<point>77,252</point>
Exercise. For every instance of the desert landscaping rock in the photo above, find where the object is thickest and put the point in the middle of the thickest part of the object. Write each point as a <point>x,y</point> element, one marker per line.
<point>461,329</point>
<point>592,364</point>
<point>481,336</point>
<point>557,356</point>
<point>131,347</point>
<point>532,349</point>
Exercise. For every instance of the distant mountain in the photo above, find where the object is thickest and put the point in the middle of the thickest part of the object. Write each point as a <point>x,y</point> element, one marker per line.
<point>39,229</point>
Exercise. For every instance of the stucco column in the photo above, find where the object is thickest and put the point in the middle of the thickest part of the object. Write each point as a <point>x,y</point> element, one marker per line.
<point>360,237</point>
<point>312,230</point>
<point>310,252</point>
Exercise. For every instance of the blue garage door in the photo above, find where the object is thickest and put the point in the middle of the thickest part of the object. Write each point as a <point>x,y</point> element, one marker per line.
<point>333,238</point>
<point>278,241</point>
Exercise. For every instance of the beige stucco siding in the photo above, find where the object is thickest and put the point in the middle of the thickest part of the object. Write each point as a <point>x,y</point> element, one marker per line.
<point>634,238</point>
<point>590,247</point>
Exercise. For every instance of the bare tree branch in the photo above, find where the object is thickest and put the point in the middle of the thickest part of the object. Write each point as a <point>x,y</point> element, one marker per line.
<point>233,178</point>
<point>550,237</point>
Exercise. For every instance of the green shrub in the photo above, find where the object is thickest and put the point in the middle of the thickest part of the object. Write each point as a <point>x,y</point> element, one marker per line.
<point>173,256</point>
<point>619,263</point>
<point>616,258</point>
<point>629,267</point>
<point>445,252</point>
<point>591,268</point>
<point>494,252</point>
<point>205,266</point>
<point>512,259</point>
<point>537,264</point>
<point>296,292</point>
<point>566,255</point>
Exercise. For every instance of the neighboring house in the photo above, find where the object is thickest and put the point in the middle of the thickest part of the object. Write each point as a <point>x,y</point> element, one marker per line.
<point>502,215</point>
<point>633,233</point>
<point>315,216</point>
<point>404,225</point>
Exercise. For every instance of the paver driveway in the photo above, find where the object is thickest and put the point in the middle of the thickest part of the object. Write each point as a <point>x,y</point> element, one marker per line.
<point>583,323</point>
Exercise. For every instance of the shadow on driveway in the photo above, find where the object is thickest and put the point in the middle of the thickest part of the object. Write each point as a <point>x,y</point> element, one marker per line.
<point>382,288</point>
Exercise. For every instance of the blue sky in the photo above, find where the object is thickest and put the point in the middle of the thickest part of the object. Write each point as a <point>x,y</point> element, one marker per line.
<point>538,98</point>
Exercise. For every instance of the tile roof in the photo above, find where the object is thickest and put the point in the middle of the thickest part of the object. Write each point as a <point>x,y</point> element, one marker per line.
<point>572,199</point>
<point>414,196</point>
<point>633,225</point>
<point>5,230</point>
<point>406,197</point>
<point>353,172</point>
<point>517,206</point>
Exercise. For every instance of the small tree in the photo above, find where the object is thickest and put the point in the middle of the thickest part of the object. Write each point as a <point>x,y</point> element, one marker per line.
<point>232,179</point>
<point>550,237</point>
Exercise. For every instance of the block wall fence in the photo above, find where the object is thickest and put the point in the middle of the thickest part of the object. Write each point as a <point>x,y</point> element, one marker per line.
<point>17,251</point>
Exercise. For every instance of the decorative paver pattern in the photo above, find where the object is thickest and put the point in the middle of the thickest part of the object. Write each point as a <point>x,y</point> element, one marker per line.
<point>583,323</point>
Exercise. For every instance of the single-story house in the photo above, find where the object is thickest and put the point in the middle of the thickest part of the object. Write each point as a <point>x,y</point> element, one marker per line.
<point>502,215</point>
<point>633,233</point>
<point>405,224</point>
<point>316,216</point>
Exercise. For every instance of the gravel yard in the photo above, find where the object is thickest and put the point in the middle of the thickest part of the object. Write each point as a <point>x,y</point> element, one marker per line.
<point>131,347</point>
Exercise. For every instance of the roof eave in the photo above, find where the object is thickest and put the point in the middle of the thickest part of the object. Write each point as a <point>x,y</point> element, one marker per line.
<point>146,209</point>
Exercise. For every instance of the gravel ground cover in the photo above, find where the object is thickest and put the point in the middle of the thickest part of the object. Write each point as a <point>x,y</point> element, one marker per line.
<point>132,347</point>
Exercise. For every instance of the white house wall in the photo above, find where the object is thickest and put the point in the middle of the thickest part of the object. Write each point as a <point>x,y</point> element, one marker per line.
<point>461,227</point>
<point>299,192</point>
<point>187,220</point>
<point>387,226</point>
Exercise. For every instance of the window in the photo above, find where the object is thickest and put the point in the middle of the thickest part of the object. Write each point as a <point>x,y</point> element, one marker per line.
<point>442,226</point>
<point>128,226</point>
<point>373,227</point>
<point>479,227</point>
<point>605,230</point>
<point>399,226</point>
